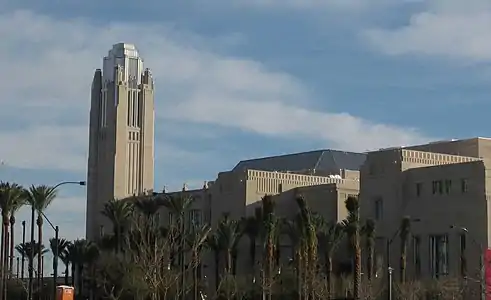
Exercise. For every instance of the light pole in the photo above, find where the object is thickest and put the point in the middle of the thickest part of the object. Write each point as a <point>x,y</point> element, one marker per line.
<point>389,268</point>
<point>55,254</point>
<point>482,271</point>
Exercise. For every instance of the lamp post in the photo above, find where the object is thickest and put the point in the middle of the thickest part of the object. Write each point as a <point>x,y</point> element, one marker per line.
<point>389,268</point>
<point>482,271</point>
<point>55,255</point>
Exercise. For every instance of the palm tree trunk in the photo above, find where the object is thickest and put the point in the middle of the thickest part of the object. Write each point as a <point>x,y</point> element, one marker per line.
<point>228,267</point>
<point>31,256</point>
<point>299,267</point>
<point>12,243</point>
<point>6,260</point>
<point>66,273</point>
<point>329,275</point>
<point>23,256</point>
<point>370,263</point>
<point>40,249</point>
<point>403,266</point>
<point>74,271</point>
<point>357,273</point>
<point>2,275</point>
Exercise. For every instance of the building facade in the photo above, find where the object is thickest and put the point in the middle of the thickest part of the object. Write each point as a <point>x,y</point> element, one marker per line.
<point>444,188</point>
<point>121,133</point>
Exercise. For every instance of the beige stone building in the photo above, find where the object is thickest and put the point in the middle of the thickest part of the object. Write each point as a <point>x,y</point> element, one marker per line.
<point>443,186</point>
<point>121,137</point>
<point>326,178</point>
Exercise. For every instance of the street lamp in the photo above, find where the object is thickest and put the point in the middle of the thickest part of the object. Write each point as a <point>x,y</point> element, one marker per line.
<point>56,229</point>
<point>389,268</point>
<point>482,271</point>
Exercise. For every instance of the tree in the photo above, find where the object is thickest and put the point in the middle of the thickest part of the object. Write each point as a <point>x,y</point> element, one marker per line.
<point>252,228</point>
<point>119,212</point>
<point>352,227</point>
<point>196,241</point>
<point>368,231</point>
<point>311,244</point>
<point>59,246</point>
<point>11,196</point>
<point>66,258</point>
<point>270,228</point>
<point>229,233</point>
<point>39,198</point>
<point>330,236</point>
<point>404,232</point>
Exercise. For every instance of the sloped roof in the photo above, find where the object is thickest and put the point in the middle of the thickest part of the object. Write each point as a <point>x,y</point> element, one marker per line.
<point>320,161</point>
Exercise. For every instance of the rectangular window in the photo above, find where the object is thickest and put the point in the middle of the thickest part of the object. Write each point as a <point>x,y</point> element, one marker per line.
<point>419,189</point>
<point>464,185</point>
<point>434,187</point>
<point>437,187</point>
<point>448,186</point>
<point>171,219</point>
<point>417,255</point>
<point>194,218</point>
<point>379,209</point>
<point>463,259</point>
<point>438,255</point>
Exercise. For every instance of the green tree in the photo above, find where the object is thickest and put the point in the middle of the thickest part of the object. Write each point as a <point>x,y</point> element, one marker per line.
<point>368,231</point>
<point>39,198</point>
<point>404,233</point>
<point>330,236</point>
<point>352,227</point>
<point>119,212</point>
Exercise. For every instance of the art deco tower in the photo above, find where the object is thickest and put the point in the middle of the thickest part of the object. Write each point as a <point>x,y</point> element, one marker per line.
<point>121,137</point>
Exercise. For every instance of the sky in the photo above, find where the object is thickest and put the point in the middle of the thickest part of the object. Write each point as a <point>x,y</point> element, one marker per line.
<point>238,79</point>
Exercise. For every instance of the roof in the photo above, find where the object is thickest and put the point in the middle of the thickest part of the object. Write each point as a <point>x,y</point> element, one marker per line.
<point>318,162</point>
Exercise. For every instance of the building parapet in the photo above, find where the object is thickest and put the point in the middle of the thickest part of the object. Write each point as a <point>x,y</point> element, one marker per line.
<point>433,158</point>
<point>299,179</point>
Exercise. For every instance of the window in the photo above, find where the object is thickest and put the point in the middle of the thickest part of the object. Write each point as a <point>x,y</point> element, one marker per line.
<point>448,186</point>
<point>280,188</point>
<point>438,255</point>
<point>437,187</point>
<point>379,208</point>
<point>463,260</point>
<point>419,189</point>
<point>464,185</point>
<point>417,255</point>
<point>194,218</point>
<point>171,219</point>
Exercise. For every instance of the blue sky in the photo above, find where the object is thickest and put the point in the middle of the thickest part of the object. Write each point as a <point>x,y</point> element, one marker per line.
<point>238,79</point>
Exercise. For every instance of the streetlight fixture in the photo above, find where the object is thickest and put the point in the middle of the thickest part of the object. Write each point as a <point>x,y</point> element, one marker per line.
<point>482,271</point>
<point>390,270</point>
<point>56,229</point>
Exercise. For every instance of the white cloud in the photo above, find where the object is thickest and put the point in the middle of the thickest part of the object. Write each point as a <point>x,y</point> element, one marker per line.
<point>48,65</point>
<point>447,28</point>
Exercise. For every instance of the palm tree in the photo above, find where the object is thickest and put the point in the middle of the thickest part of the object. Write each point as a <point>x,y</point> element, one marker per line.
<point>270,233</point>
<point>31,249</point>
<point>252,227</point>
<point>65,258</point>
<point>83,253</point>
<point>178,206</point>
<point>119,213</point>
<point>10,197</point>
<point>148,206</point>
<point>196,241</point>
<point>39,198</point>
<point>58,246</point>
<point>311,244</point>
<point>330,236</point>
<point>229,233</point>
<point>293,229</point>
<point>352,226</point>
<point>404,233</point>
<point>368,231</point>
<point>212,243</point>
<point>14,209</point>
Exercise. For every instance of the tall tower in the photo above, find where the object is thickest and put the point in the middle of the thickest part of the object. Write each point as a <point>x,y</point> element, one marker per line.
<point>121,134</point>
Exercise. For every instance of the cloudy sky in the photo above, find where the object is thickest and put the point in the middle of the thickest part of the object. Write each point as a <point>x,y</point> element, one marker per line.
<point>238,79</point>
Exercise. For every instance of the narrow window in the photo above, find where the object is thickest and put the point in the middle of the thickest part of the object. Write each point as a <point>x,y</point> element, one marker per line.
<point>463,258</point>
<point>417,255</point>
<point>379,208</point>
<point>438,255</point>
<point>464,185</point>
<point>419,189</point>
